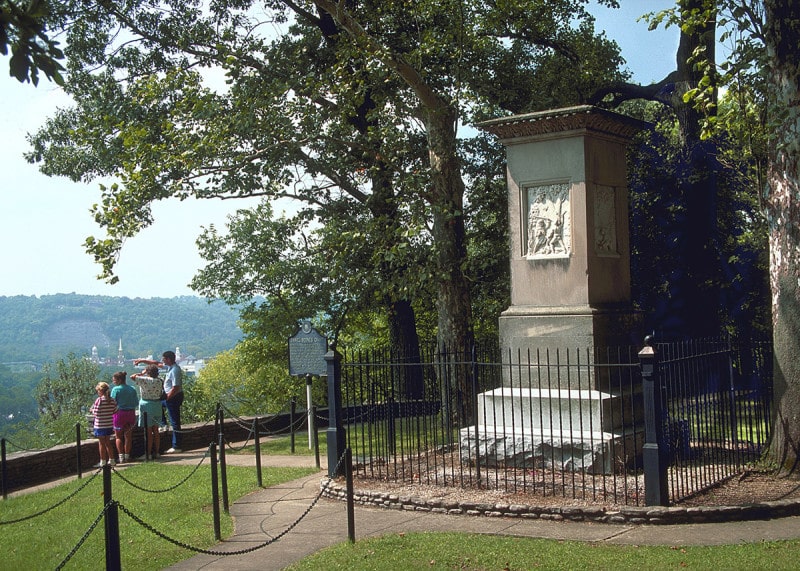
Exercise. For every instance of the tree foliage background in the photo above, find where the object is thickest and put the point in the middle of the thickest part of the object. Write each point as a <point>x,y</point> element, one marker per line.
<point>352,110</point>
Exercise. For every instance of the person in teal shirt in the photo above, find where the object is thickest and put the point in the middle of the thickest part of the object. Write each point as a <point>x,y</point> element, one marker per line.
<point>127,400</point>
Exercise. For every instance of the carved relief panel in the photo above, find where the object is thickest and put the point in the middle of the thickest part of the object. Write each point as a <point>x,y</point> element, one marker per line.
<point>547,221</point>
<point>605,221</point>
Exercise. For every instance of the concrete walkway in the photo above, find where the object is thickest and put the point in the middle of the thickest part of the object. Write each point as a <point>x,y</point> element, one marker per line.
<point>267,514</point>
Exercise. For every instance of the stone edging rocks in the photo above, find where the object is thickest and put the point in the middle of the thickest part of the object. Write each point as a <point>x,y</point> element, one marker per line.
<point>624,515</point>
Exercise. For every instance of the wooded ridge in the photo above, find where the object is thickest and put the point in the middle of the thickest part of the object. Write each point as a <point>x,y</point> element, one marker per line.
<point>44,328</point>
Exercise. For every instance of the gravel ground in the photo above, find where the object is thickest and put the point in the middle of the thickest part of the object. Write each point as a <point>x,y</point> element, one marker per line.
<point>554,489</point>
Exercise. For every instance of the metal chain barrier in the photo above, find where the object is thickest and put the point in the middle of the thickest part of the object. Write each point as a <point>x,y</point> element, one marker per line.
<point>162,535</point>
<point>54,506</point>
<point>85,536</point>
<point>228,414</point>
<point>243,446</point>
<point>265,420</point>
<point>178,543</point>
<point>189,430</point>
<point>169,489</point>
<point>297,423</point>
<point>241,423</point>
<point>222,553</point>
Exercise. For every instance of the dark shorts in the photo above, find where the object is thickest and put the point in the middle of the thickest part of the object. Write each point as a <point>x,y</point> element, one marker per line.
<point>124,419</point>
<point>103,431</point>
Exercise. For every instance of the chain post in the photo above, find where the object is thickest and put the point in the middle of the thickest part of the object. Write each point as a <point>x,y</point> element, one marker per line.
<point>257,446</point>
<point>212,453</point>
<point>113,562</point>
<point>223,473</point>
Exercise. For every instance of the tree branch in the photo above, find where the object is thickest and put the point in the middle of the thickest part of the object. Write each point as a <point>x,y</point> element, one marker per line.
<point>394,61</point>
<point>663,92</point>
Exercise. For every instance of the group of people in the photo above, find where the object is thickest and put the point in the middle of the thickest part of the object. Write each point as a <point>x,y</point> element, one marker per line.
<point>114,409</point>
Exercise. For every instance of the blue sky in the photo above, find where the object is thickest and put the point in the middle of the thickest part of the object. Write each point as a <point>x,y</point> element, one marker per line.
<point>44,221</point>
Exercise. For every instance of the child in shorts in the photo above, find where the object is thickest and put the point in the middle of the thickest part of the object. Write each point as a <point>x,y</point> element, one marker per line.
<point>103,410</point>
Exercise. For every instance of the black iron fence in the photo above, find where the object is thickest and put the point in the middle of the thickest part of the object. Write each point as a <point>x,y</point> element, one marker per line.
<point>566,423</point>
<point>717,397</point>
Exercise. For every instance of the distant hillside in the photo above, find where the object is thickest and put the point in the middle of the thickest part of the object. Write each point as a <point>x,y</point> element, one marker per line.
<point>45,328</point>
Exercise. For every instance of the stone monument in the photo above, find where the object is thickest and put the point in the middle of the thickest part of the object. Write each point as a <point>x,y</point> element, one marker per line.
<point>570,283</point>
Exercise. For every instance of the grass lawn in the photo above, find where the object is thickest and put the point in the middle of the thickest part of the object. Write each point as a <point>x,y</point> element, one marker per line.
<point>485,552</point>
<point>282,445</point>
<point>183,513</point>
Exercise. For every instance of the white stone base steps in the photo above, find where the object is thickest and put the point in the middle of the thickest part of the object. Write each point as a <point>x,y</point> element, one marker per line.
<point>573,430</point>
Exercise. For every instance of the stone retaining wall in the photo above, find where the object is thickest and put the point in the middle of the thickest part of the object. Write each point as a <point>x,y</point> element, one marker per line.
<point>624,515</point>
<point>31,468</point>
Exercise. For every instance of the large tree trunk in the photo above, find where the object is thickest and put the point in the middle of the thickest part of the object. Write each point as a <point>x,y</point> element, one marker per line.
<point>446,199</point>
<point>382,204</point>
<point>783,215</point>
<point>453,303</point>
<point>447,203</point>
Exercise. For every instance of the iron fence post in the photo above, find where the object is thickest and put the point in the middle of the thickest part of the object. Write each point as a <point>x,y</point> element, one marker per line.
<point>391,435</point>
<point>654,454</point>
<point>475,411</point>
<point>733,352</point>
<point>335,433</point>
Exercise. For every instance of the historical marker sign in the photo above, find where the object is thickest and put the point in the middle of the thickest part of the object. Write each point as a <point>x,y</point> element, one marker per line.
<point>307,349</point>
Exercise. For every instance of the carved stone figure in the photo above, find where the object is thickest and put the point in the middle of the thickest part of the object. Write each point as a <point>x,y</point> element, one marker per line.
<point>548,221</point>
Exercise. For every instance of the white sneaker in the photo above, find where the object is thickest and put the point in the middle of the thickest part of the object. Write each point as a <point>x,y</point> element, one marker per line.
<point>112,462</point>
<point>99,464</point>
<point>173,451</point>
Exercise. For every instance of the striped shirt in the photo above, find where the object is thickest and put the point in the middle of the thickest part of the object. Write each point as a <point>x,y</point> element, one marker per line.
<point>103,410</point>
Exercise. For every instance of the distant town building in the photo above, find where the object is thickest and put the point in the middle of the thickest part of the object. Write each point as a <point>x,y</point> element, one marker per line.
<point>189,363</point>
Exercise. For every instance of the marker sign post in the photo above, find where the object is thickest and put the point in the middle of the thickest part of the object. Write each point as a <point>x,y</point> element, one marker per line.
<point>307,349</point>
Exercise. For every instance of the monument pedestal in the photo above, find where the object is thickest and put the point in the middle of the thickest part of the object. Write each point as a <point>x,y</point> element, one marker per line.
<point>561,429</point>
<point>533,335</point>
<point>570,289</point>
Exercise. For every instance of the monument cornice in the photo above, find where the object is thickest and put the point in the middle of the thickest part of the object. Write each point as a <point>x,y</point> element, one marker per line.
<point>557,121</point>
<point>561,310</point>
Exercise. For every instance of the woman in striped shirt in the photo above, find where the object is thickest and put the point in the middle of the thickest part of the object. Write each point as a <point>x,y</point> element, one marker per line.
<point>103,410</point>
